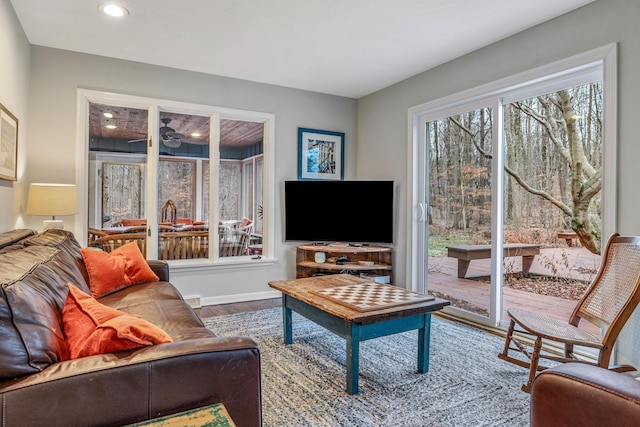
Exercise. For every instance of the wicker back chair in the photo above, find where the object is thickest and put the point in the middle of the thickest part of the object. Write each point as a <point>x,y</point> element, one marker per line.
<point>608,303</point>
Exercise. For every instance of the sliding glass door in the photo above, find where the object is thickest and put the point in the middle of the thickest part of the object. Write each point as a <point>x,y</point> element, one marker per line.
<point>459,210</point>
<point>514,191</point>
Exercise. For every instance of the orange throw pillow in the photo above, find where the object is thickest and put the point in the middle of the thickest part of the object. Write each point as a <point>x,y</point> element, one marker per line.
<point>109,272</point>
<point>92,328</point>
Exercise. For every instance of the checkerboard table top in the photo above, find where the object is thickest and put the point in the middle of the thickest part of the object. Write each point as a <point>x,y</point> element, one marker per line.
<point>322,292</point>
<point>371,296</point>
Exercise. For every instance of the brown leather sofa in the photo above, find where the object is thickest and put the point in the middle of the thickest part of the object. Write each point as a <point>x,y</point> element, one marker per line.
<point>39,388</point>
<point>575,394</point>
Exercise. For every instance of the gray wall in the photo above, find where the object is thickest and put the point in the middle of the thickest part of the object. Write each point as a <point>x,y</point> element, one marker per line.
<point>14,92</point>
<point>382,116</point>
<point>56,75</point>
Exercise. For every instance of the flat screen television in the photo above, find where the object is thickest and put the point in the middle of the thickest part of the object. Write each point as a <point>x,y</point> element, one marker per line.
<point>339,211</point>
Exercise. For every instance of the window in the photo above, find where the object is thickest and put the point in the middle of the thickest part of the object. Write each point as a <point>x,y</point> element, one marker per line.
<point>177,182</point>
<point>126,172</point>
<point>122,192</point>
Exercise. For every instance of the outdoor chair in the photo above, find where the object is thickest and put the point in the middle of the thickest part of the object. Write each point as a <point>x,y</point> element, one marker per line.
<point>183,245</point>
<point>234,246</point>
<point>168,212</point>
<point>246,226</point>
<point>607,303</point>
<point>111,242</point>
<point>94,234</point>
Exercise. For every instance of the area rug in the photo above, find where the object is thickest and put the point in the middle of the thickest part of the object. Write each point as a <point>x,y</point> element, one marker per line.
<point>303,384</point>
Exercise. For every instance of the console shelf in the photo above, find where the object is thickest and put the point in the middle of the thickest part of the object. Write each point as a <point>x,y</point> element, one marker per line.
<point>380,256</point>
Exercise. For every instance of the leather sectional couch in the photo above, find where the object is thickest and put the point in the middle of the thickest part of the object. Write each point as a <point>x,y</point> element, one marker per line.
<point>40,386</point>
<point>576,394</point>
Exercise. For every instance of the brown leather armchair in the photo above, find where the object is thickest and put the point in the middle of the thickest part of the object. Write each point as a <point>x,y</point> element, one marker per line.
<point>575,394</point>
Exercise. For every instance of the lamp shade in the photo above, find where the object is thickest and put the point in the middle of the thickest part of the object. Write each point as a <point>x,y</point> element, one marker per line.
<point>52,199</point>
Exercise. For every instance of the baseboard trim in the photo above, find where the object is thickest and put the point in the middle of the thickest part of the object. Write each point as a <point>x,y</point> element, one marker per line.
<point>229,299</point>
<point>193,301</point>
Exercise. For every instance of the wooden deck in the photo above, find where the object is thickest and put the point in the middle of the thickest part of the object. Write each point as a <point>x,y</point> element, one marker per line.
<point>571,262</point>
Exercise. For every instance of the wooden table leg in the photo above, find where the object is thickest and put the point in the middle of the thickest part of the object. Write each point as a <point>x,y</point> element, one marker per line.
<point>463,266</point>
<point>353,358</point>
<point>424,335</point>
<point>526,263</point>
<point>287,322</point>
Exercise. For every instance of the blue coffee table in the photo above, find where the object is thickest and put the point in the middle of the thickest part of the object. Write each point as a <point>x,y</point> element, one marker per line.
<point>301,296</point>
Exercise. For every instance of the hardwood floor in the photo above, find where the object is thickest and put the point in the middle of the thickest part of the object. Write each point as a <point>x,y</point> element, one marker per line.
<point>238,307</point>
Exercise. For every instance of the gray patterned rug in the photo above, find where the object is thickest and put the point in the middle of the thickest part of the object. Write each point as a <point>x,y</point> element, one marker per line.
<point>303,384</point>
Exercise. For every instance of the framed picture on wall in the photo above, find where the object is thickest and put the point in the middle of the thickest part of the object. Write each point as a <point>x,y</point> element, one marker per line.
<point>8,144</point>
<point>320,154</point>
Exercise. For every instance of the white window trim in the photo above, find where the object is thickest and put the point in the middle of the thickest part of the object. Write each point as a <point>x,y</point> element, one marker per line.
<point>582,66</point>
<point>153,106</point>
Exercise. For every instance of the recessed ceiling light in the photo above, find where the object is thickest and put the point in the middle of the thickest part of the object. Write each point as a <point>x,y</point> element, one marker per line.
<point>113,10</point>
<point>196,134</point>
<point>108,115</point>
<point>111,126</point>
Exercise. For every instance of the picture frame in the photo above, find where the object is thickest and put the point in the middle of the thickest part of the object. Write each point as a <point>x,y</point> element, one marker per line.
<point>8,145</point>
<point>320,154</point>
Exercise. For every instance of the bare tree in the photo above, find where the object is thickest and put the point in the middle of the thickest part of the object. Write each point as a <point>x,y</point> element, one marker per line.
<point>562,141</point>
<point>560,120</point>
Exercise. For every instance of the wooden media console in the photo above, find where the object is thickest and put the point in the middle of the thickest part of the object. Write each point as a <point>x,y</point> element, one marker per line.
<point>376,262</point>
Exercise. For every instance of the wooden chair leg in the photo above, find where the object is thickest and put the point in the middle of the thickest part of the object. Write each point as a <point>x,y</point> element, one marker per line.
<point>535,357</point>
<point>507,341</point>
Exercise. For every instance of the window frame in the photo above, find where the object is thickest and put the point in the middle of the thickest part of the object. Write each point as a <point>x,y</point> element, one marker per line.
<point>154,106</point>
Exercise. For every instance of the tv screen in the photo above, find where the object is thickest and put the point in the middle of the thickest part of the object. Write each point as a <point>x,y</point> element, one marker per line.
<point>339,211</point>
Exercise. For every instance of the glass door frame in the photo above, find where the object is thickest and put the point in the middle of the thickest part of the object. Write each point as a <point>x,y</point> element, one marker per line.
<point>602,60</point>
<point>420,131</point>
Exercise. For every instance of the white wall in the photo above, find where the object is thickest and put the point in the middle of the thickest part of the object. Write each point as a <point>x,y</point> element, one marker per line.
<point>55,77</point>
<point>382,116</point>
<point>14,92</point>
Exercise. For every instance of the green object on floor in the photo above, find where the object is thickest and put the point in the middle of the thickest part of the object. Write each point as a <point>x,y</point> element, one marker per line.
<point>209,416</point>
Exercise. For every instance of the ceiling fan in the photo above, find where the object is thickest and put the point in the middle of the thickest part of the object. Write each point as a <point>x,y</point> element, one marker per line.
<point>171,138</point>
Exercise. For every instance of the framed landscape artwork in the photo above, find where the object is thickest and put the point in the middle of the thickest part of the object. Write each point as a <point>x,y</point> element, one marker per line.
<point>8,144</point>
<point>320,154</point>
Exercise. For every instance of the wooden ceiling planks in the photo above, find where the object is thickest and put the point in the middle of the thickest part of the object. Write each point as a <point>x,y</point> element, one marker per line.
<point>132,124</point>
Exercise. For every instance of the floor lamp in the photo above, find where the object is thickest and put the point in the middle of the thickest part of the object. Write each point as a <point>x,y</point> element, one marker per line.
<point>52,200</point>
